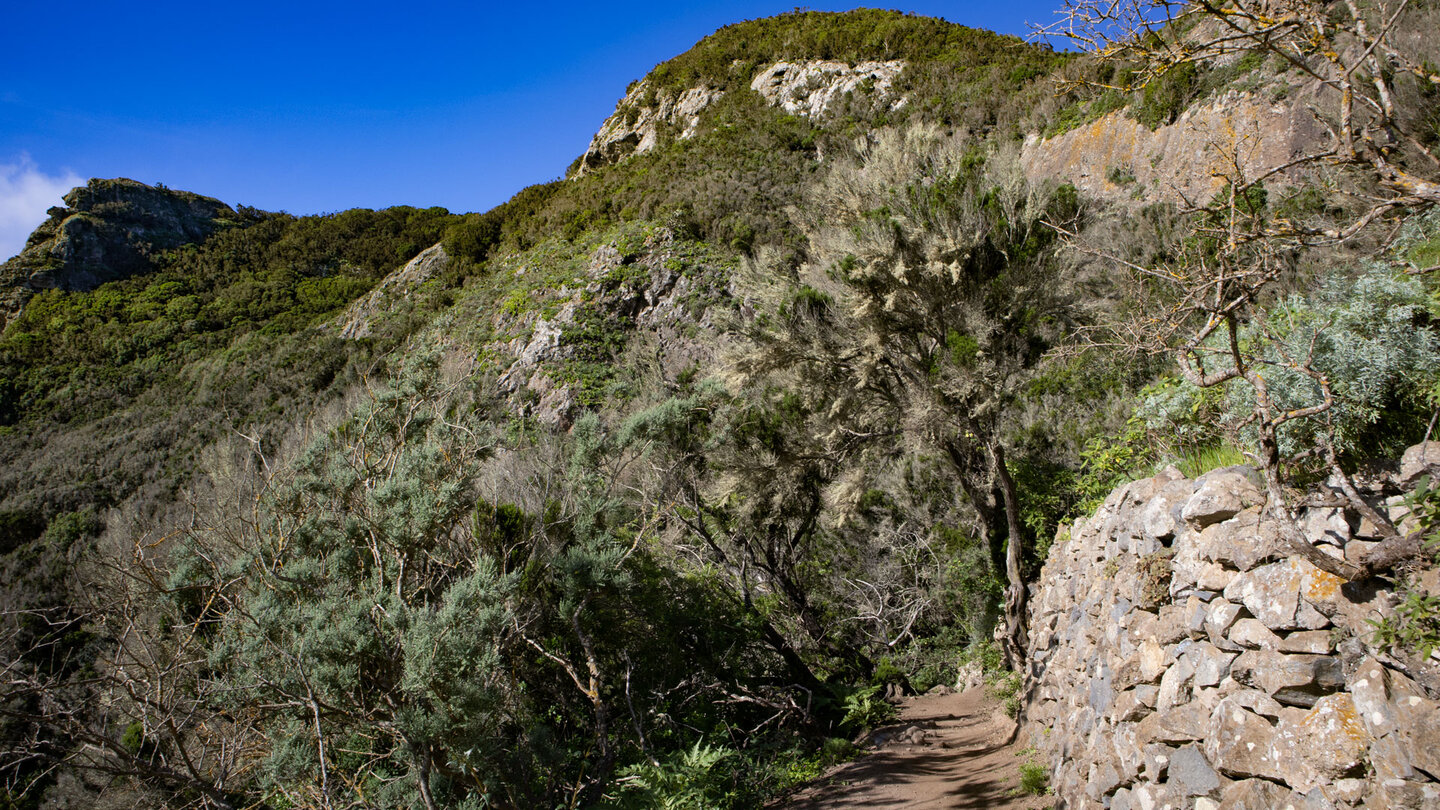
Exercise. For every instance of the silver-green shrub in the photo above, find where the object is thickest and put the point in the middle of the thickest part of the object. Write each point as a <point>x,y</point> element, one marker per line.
<point>1368,336</point>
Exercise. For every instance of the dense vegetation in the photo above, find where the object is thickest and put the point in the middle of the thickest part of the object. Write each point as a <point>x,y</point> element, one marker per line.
<point>828,395</point>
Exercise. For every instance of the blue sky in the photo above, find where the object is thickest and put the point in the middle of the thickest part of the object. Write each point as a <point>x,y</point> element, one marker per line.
<point>317,107</point>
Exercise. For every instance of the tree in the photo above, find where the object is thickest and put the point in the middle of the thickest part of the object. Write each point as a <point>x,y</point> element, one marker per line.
<point>746,494</point>
<point>1207,300</point>
<point>930,296</point>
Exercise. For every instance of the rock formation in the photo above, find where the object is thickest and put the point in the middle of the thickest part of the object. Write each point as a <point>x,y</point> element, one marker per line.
<point>106,231</point>
<point>641,299</point>
<point>641,117</point>
<point>358,319</point>
<point>647,113</point>
<point>1116,156</point>
<point>809,89</point>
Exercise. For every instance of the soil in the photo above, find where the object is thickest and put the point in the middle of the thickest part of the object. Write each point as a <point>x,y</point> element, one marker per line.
<point>946,750</point>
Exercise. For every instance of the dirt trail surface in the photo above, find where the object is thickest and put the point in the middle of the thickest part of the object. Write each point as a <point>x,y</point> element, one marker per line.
<point>945,751</point>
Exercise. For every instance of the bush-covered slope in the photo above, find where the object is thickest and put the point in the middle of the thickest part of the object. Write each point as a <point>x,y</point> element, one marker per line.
<point>649,488</point>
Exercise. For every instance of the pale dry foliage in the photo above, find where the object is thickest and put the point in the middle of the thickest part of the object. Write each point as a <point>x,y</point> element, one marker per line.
<point>929,298</point>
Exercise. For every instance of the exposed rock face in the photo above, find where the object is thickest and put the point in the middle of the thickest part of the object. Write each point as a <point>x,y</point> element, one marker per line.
<point>1117,157</point>
<point>356,322</point>
<point>648,114</point>
<point>641,117</point>
<point>658,308</point>
<point>1246,683</point>
<point>810,88</point>
<point>107,231</point>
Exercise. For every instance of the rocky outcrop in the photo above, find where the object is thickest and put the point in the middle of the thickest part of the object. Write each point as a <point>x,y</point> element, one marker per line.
<point>1117,157</point>
<point>359,318</point>
<point>1178,659</point>
<point>810,89</point>
<point>642,117</point>
<point>640,310</point>
<point>649,114</point>
<point>108,230</point>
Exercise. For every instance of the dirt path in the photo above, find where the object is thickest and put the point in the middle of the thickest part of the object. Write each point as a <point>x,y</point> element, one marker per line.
<point>945,751</point>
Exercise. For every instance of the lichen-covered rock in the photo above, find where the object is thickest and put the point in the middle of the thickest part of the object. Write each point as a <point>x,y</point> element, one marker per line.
<point>1276,593</point>
<point>1240,743</point>
<point>1294,680</point>
<point>1176,162</point>
<point>1191,774</point>
<point>1210,663</point>
<point>1180,725</point>
<point>1421,459</point>
<point>1418,719</point>
<point>1249,683</point>
<point>1239,543</point>
<point>1160,518</point>
<point>810,89</point>
<point>1330,740</point>
<point>1253,794</point>
<point>1221,495</point>
<point>1327,524</point>
<point>1251,699</point>
<point>1312,642</point>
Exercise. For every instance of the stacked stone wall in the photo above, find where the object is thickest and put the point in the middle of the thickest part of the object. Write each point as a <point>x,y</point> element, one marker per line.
<point>1178,661</point>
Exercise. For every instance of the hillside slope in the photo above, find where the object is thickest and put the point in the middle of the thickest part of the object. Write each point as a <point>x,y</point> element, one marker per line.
<point>645,488</point>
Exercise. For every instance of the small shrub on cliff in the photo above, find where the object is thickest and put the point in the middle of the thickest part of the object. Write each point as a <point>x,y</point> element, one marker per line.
<point>1414,626</point>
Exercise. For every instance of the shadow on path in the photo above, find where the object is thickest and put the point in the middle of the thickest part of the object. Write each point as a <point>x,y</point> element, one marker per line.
<point>961,762</point>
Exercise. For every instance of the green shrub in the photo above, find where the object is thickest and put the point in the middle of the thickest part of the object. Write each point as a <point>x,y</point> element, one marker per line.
<point>1034,779</point>
<point>866,709</point>
<point>1005,687</point>
<point>1166,97</point>
<point>691,779</point>
<point>1414,626</point>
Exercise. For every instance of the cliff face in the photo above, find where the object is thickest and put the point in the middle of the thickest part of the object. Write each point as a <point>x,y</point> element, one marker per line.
<point>642,117</point>
<point>809,89</point>
<point>107,230</point>
<point>1116,156</point>
<point>1181,661</point>
<point>647,114</point>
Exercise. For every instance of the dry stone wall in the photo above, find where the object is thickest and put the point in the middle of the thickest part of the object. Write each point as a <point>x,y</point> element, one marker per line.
<point>1178,661</point>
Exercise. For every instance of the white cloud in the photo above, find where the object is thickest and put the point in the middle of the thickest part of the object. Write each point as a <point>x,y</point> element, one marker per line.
<point>26,193</point>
